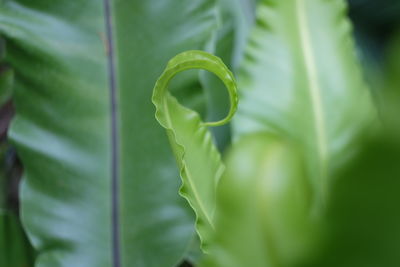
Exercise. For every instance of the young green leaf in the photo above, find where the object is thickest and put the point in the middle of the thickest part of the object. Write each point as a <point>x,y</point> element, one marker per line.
<point>191,142</point>
<point>263,207</point>
<point>300,78</point>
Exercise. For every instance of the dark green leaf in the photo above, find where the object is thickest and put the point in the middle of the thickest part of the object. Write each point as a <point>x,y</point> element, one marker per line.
<point>100,182</point>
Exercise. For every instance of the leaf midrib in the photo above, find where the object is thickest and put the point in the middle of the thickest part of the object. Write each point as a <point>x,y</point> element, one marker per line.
<point>314,92</point>
<point>194,189</point>
<point>115,229</point>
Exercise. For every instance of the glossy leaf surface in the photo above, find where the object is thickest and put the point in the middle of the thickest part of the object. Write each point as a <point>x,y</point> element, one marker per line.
<point>100,182</point>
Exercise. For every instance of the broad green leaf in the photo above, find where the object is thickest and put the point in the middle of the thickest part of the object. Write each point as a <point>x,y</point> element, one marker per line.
<point>263,212</point>
<point>191,142</point>
<point>300,79</point>
<point>100,182</point>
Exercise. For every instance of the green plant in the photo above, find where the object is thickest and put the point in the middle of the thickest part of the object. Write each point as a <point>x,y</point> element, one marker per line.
<point>199,161</point>
<point>85,128</point>
<point>309,172</point>
<point>309,151</point>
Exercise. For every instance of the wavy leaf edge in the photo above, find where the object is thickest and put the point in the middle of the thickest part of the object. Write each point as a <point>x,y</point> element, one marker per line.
<point>193,59</point>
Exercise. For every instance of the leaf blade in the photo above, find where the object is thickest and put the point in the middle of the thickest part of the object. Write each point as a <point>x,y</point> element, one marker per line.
<point>322,102</point>
<point>198,158</point>
<point>62,128</point>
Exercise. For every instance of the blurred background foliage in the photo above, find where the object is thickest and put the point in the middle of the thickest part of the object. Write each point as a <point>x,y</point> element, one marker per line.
<point>361,219</point>
<point>377,34</point>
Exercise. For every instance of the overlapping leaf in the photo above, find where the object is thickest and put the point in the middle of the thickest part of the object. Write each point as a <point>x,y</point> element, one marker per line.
<point>100,182</point>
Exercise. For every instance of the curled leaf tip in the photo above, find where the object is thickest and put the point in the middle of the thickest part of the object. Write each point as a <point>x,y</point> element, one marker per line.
<point>197,157</point>
<point>196,59</point>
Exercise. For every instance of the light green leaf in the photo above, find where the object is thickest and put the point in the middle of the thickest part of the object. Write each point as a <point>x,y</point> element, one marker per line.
<point>264,200</point>
<point>300,79</point>
<point>191,142</point>
<point>100,181</point>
